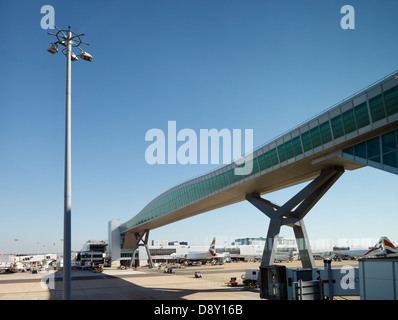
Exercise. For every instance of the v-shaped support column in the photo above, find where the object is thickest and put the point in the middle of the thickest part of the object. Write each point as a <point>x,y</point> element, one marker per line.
<point>141,239</point>
<point>285,215</point>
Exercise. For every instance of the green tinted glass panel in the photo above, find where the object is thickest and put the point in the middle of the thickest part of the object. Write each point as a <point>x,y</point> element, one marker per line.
<point>390,159</point>
<point>261,162</point>
<point>255,166</point>
<point>349,121</point>
<point>306,141</point>
<point>349,150</point>
<point>297,146</point>
<point>325,132</point>
<point>208,186</point>
<point>315,137</point>
<point>377,108</point>
<point>373,148</point>
<point>219,183</point>
<point>231,176</point>
<point>226,181</point>
<point>391,98</point>
<point>388,142</point>
<point>360,150</point>
<point>274,157</point>
<point>282,153</point>
<point>268,162</point>
<point>239,177</point>
<point>289,149</point>
<point>375,159</point>
<point>214,183</point>
<point>200,189</point>
<point>337,127</point>
<point>362,116</point>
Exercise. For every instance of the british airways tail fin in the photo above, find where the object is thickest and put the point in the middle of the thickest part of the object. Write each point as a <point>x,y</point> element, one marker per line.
<point>212,248</point>
<point>385,247</point>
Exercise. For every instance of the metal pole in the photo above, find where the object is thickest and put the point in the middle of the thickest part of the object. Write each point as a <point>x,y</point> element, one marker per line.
<point>67,187</point>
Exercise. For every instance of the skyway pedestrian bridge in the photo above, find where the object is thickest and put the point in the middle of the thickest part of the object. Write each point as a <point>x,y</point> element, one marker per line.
<point>360,131</point>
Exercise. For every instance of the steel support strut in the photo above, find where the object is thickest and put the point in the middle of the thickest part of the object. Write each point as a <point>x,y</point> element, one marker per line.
<point>285,215</point>
<point>141,239</point>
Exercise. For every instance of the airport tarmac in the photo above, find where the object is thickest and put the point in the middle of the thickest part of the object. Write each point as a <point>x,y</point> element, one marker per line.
<point>142,284</point>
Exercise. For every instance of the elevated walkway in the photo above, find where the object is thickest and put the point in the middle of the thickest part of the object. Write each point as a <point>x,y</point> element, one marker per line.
<point>360,131</point>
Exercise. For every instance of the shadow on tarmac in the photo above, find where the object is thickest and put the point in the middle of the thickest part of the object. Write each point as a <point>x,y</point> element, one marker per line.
<point>101,286</point>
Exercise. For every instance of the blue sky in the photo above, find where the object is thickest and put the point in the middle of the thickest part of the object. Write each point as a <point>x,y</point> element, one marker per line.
<point>261,65</point>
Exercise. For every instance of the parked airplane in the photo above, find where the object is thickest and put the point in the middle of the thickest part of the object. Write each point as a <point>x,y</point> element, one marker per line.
<point>203,257</point>
<point>383,248</point>
<point>281,256</point>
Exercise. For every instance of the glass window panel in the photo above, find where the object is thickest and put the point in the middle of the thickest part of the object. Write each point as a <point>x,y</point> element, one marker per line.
<point>234,176</point>
<point>391,98</point>
<point>373,148</point>
<point>289,149</point>
<point>390,159</point>
<point>375,159</point>
<point>360,150</point>
<point>231,176</point>
<point>362,116</point>
<point>297,146</point>
<point>337,127</point>
<point>282,153</point>
<point>255,166</point>
<point>261,162</point>
<point>349,150</point>
<point>214,184</point>
<point>306,141</point>
<point>274,157</point>
<point>325,132</point>
<point>201,189</point>
<point>239,177</point>
<point>268,162</point>
<point>189,197</point>
<point>226,178</point>
<point>208,186</point>
<point>218,179</point>
<point>377,108</point>
<point>349,121</point>
<point>388,142</point>
<point>315,137</point>
<point>221,183</point>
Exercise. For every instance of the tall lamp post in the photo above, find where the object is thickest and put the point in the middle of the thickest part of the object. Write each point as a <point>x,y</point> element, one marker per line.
<point>68,39</point>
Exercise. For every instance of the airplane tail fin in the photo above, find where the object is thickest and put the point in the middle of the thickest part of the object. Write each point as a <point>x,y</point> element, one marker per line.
<point>385,246</point>
<point>388,246</point>
<point>212,248</point>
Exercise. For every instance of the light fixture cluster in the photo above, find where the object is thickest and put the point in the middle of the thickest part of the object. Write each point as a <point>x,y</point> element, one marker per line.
<point>65,36</point>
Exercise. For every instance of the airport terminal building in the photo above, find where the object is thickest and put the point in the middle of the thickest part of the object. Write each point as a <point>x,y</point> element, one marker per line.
<point>248,249</point>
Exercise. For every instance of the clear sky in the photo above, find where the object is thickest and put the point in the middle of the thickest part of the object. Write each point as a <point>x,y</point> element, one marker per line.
<point>256,64</point>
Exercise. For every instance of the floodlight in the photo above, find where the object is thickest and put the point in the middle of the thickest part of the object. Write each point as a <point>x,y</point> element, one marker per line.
<point>53,48</point>
<point>73,57</point>
<point>86,56</point>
